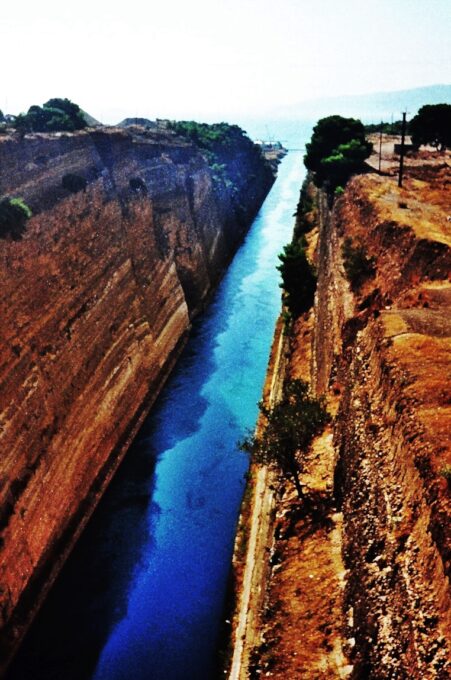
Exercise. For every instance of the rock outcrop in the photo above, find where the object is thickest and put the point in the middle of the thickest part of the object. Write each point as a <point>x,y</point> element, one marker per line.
<point>96,301</point>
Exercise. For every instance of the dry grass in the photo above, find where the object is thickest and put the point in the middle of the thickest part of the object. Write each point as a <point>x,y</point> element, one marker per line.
<point>426,211</point>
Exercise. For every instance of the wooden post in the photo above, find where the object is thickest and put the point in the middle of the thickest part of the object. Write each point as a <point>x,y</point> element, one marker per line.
<point>380,148</point>
<point>401,160</point>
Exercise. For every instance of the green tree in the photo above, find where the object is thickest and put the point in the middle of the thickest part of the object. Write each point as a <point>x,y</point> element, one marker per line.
<point>432,125</point>
<point>14,214</point>
<point>54,115</point>
<point>394,128</point>
<point>290,428</point>
<point>337,149</point>
<point>346,160</point>
<point>298,278</point>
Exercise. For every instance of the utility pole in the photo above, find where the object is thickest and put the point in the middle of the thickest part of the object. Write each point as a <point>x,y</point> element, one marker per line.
<point>380,148</point>
<point>401,159</point>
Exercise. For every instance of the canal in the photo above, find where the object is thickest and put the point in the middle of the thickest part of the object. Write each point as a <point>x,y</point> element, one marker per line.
<point>142,595</point>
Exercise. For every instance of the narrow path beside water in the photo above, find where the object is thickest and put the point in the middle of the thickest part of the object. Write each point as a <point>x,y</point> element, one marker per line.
<point>143,593</point>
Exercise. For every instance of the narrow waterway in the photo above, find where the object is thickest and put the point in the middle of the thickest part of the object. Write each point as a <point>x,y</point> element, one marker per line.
<point>142,595</point>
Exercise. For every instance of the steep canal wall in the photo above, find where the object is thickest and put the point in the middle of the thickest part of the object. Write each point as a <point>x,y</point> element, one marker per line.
<point>96,301</point>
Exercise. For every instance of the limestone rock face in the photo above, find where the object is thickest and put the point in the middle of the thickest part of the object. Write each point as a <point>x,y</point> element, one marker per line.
<point>386,348</point>
<point>96,302</point>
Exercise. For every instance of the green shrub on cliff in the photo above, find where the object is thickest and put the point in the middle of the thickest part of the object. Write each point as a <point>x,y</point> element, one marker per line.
<point>229,152</point>
<point>54,115</point>
<point>290,428</point>
<point>445,472</point>
<point>305,209</point>
<point>298,278</point>
<point>358,266</point>
<point>14,214</point>
<point>208,136</point>
<point>337,150</point>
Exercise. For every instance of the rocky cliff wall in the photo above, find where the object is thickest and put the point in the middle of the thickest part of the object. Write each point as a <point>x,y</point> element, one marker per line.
<point>385,348</point>
<point>358,579</point>
<point>96,302</point>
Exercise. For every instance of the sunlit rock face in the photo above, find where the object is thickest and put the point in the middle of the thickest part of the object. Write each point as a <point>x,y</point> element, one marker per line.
<point>96,301</point>
<point>385,349</point>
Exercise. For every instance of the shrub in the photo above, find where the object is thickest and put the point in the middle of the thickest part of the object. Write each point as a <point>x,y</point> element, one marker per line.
<point>304,222</point>
<point>209,136</point>
<point>74,183</point>
<point>290,428</point>
<point>394,128</point>
<point>14,214</point>
<point>339,191</point>
<point>223,147</point>
<point>138,185</point>
<point>445,472</point>
<point>358,266</point>
<point>298,278</point>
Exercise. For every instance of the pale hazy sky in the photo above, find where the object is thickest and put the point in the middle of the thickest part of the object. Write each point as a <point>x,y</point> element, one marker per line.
<point>216,58</point>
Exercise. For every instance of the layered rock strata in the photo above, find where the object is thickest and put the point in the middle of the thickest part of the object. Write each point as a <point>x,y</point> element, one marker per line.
<point>391,361</point>
<point>96,301</point>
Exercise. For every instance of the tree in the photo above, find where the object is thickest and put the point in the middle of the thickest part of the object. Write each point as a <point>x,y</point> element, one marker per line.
<point>432,125</point>
<point>337,149</point>
<point>298,278</point>
<point>290,428</point>
<point>14,214</point>
<point>394,128</point>
<point>54,115</point>
<point>346,160</point>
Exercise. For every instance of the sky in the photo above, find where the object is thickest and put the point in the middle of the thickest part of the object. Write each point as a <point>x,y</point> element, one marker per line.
<point>216,59</point>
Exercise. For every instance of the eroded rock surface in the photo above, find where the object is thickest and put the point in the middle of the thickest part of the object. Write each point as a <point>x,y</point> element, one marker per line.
<point>359,581</point>
<point>96,301</point>
<point>387,347</point>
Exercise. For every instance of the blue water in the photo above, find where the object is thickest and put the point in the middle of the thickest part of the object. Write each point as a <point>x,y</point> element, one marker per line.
<point>144,591</point>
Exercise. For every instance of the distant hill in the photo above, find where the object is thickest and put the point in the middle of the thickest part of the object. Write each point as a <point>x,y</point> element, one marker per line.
<point>144,122</point>
<point>369,107</point>
<point>91,121</point>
